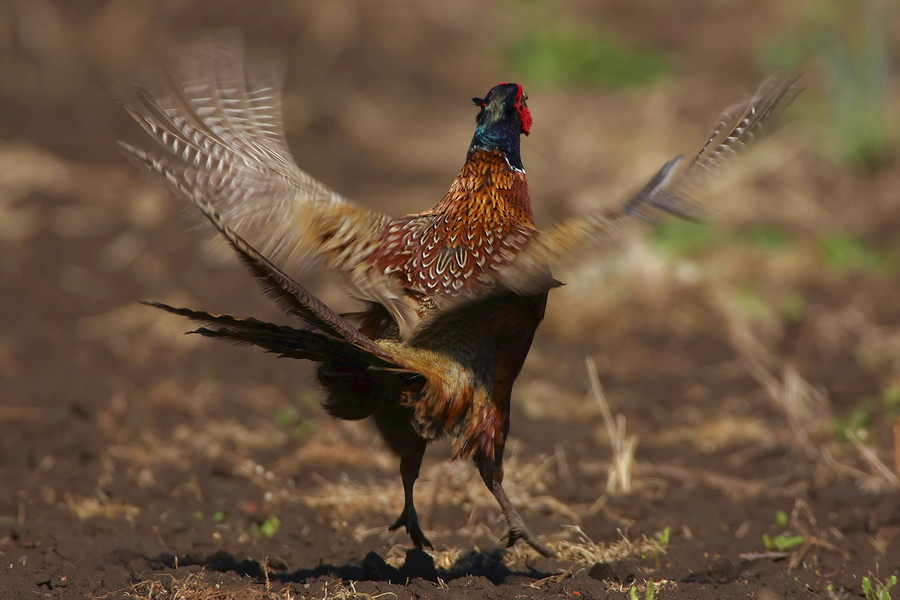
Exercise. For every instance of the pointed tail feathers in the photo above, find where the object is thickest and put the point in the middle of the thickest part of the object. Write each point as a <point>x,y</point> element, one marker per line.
<point>288,293</point>
<point>283,340</point>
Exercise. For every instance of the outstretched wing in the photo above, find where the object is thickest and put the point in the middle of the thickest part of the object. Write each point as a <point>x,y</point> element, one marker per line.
<point>221,125</point>
<point>290,295</point>
<point>667,192</point>
<point>324,335</point>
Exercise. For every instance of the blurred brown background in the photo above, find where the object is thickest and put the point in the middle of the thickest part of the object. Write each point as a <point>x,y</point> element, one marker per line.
<point>774,325</point>
<point>377,107</point>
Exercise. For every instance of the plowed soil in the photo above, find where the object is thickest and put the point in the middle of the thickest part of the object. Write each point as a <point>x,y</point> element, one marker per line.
<point>759,379</point>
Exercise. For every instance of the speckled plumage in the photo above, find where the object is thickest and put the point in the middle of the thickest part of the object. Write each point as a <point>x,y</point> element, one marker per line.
<point>480,224</point>
<point>453,294</point>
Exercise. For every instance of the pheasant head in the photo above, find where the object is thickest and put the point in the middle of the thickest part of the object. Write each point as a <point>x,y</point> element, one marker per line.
<point>503,118</point>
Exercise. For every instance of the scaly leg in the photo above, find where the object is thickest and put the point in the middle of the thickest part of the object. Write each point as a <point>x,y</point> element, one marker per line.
<point>410,461</point>
<point>491,474</point>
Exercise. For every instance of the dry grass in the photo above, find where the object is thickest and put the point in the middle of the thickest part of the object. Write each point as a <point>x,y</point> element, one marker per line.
<point>623,446</point>
<point>90,507</point>
<point>444,484</point>
<point>196,587</point>
<point>878,478</point>
<point>583,551</point>
<point>19,413</point>
<point>580,550</point>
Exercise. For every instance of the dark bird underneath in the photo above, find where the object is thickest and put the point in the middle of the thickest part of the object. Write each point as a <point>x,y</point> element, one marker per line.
<point>453,294</point>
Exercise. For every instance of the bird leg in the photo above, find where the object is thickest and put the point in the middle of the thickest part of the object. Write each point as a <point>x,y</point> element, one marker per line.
<point>410,461</point>
<point>492,475</point>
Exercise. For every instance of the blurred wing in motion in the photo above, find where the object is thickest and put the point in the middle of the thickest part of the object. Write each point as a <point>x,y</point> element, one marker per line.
<point>323,335</point>
<point>290,295</point>
<point>736,129</point>
<point>221,124</point>
<point>667,192</point>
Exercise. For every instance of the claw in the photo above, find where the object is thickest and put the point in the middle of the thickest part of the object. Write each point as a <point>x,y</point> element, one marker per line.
<point>410,520</point>
<point>526,536</point>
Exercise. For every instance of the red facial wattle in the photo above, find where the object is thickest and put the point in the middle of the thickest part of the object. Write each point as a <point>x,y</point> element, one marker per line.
<point>526,118</point>
<point>524,113</point>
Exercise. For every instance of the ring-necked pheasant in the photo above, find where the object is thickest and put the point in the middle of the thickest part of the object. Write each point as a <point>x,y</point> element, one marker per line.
<point>453,294</point>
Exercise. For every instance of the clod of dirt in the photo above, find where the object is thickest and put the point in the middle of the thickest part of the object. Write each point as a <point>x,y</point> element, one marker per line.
<point>418,564</point>
<point>720,570</point>
<point>615,572</point>
<point>376,569</point>
<point>276,563</point>
<point>54,583</point>
<point>221,561</point>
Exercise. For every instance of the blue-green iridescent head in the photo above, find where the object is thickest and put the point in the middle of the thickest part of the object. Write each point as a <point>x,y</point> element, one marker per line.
<point>504,117</point>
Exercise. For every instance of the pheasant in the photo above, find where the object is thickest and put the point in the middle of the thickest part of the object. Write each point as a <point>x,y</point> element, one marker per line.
<point>453,295</point>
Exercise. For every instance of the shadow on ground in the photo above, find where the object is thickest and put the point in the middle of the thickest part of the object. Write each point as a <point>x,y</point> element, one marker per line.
<point>418,564</point>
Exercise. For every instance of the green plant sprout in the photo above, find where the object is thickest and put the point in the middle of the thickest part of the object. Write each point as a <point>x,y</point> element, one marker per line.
<point>781,519</point>
<point>881,591</point>
<point>782,542</point>
<point>662,538</point>
<point>649,593</point>
<point>267,528</point>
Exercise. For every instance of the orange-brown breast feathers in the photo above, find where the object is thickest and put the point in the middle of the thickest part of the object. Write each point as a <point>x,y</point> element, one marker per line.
<point>480,224</point>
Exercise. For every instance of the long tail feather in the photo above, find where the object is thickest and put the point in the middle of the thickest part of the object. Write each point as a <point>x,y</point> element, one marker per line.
<point>289,294</point>
<point>286,341</point>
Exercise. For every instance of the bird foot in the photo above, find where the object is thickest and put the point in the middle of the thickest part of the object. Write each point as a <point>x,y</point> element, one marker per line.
<point>409,519</point>
<point>524,534</point>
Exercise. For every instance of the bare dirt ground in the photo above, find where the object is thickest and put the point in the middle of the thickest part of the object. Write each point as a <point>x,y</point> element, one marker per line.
<point>755,360</point>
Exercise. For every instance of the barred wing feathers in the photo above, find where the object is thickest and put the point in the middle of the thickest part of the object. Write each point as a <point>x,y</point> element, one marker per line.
<point>221,125</point>
<point>668,191</point>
